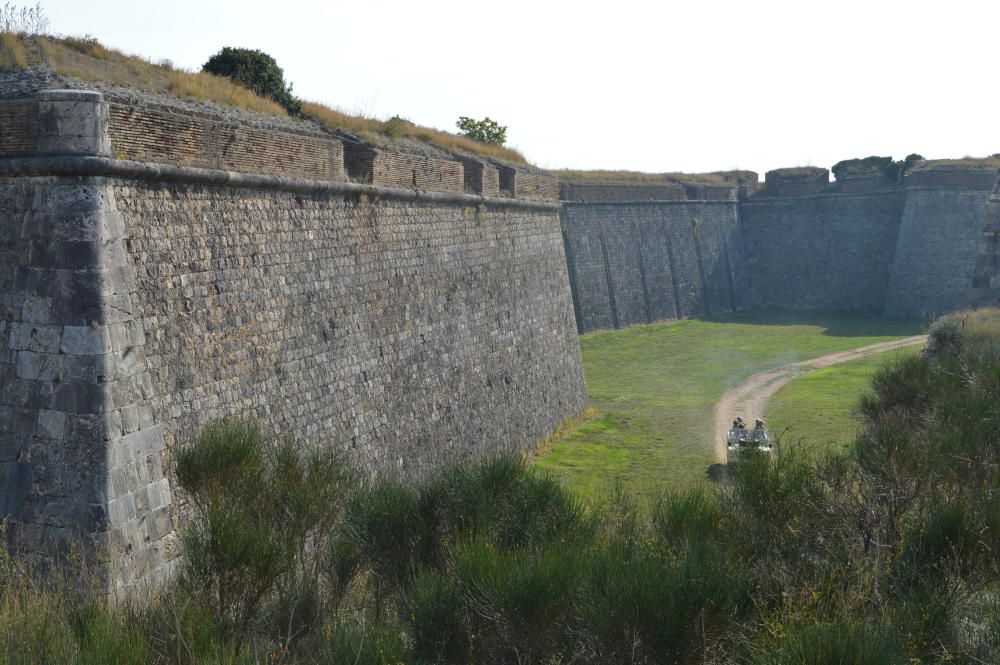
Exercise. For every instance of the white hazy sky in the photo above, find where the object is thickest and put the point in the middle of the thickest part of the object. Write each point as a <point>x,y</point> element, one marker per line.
<point>654,86</point>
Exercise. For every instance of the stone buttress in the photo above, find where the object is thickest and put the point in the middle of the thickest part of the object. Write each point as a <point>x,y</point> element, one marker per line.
<point>79,453</point>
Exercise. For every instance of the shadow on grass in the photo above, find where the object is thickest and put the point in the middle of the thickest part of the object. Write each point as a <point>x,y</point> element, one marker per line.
<point>717,473</point>
<point>835,324</point>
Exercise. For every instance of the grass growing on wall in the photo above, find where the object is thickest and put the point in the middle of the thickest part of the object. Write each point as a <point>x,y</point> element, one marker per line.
<point>819,409</point>
<point>88,60</point>
<point>655,388</point>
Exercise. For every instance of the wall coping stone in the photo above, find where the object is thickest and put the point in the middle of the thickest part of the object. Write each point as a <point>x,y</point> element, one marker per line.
<point>651,202</point>
<point>69,95</point>
<point>105,166</point>
<point>881,192</point>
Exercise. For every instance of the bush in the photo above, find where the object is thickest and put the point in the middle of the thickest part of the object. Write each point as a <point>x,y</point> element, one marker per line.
<point>257,71</point>
<point>437,615</point>
<point>383,527</point>
<point>346,643</point>
<point>836,644</point>
<point>259,508</point>
<point>867,165</point>
<point>891,170</point>
<point>517,605</point>
<point>486,130</point>
<point>502,500</point>
<point>649,608</point>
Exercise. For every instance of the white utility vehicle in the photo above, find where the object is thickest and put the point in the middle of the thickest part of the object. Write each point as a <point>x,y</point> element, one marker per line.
<point>741,440</point>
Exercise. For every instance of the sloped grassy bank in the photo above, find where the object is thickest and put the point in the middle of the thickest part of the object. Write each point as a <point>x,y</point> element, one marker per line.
<point>886,553</point>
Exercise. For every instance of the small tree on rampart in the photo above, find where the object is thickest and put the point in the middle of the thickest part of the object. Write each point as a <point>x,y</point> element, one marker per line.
<point>257,71</point>
<point>486,130</point>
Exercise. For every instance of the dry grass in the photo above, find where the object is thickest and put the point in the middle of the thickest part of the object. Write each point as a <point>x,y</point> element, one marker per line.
<point>378,131</point>
<point>713,178</point>
<point>971,163</point>
<point>88,60</point>
<point>792,171</point>
<point>13,54</point>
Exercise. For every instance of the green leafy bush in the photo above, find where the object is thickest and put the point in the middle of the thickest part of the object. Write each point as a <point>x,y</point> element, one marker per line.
<point>486,130</point>
<point>257,71</point>
<point>885,166</point>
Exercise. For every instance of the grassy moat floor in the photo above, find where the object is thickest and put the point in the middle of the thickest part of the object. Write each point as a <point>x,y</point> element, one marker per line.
<point>818,410</point>
<point>652,390</point>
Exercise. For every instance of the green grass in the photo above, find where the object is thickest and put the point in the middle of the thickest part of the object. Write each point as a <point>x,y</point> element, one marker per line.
<point>655,387</point>
<point>818,409</point>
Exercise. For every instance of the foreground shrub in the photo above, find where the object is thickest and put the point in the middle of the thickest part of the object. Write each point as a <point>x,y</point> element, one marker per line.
<point>843,643</point>
<point>883,554</point>
<point>650,609</point>
<point>258,506</point>
<point>501,500</point>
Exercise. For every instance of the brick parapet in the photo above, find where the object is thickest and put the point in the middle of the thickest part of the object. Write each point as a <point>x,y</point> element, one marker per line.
<point>154,133</point>
<point>528,185</point>
<point>139,130</point>
<point>480,177</point>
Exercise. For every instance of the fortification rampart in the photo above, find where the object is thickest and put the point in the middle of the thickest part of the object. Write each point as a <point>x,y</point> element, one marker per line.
<point>938,242</point>
<point>143,297</point>
<point>821,251</point>
<point>863,243</point>
<point>986,276</point>
<point>634,262</point>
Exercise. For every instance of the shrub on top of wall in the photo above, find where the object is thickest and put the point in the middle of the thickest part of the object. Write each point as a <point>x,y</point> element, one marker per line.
<point>257,71</point>
<point>874,165</point>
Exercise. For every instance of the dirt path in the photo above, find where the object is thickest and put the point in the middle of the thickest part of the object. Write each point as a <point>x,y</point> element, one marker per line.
<point>750,399</point>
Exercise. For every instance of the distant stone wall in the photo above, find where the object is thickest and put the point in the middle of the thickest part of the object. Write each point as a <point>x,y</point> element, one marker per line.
<point>939,236</point>
<point>986,276</point>
<point>918,248</point>
<point>139,300</point>
<point>830,251</point>
<point>599,191</point>
<point>633,263</point>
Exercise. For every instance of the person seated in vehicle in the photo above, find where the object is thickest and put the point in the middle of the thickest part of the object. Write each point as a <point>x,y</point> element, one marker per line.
<point>758,425</point>
<point>740,424</point>
<point>736,424</point>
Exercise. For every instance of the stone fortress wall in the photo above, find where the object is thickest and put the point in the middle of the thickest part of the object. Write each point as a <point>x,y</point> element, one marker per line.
<point>647,253</point>
<point>165,265</point>
<point>986,276</point>
<point>163,268</point>
<point>917,249</point>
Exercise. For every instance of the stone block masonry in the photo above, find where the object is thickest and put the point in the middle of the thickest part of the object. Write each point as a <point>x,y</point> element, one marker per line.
<point>830,251</point>
<point>939,241</point>
<point>639,253</point>
<point>986,277</point>
<point>645,261</point>
<point>410,329</point>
